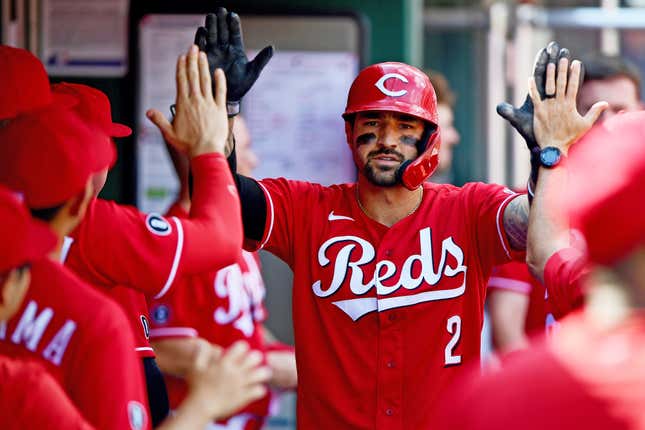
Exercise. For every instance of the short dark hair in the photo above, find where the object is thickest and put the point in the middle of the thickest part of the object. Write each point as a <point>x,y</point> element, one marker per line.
<point>445,95</point>
<point>46,214</point>
<point>601,66</point>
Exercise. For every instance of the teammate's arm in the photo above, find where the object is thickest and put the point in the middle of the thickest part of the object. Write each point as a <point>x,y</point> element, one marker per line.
<point>176,356</point>
<point>557,124</point>
<point>507,310</point>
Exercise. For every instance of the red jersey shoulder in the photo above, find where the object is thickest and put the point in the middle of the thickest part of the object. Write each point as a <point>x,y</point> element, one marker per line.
<point>119,245</point>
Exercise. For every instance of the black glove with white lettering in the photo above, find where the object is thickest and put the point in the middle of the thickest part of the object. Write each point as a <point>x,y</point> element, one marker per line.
<point>221,40</point>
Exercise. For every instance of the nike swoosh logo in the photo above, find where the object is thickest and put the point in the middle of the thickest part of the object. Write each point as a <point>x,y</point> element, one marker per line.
<point>333,217</point>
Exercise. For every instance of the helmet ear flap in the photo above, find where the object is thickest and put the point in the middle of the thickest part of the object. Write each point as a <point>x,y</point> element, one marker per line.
<point>413,173</point>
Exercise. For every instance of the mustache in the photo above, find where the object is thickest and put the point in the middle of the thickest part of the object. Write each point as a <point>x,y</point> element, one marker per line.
<point>390,152</point>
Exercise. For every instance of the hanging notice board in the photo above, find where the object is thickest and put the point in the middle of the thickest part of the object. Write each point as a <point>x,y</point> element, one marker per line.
<point>293,111</point>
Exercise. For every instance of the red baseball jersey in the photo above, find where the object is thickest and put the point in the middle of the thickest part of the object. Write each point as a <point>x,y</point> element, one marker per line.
<point>582,377</point>
<point>32,399</point>
<point>515,276</point>
<point>220,307</point>
<point>117,245</point>
<point>564,274</point>
<point>384,317</point>
<point>84,340</point>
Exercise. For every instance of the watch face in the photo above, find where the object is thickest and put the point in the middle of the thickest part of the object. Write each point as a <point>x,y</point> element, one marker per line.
<point>550,156</point>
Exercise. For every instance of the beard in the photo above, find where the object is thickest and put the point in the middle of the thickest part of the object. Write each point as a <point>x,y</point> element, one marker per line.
<point>382,176</point>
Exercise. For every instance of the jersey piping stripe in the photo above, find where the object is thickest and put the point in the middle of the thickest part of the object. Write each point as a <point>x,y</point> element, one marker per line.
<point>173,332</point>
<point>266,192</point>
<point>144,348</point>
<point>67,245</point>
<point>509,284</point>
<point>499,227</point>
<point>175,263</point>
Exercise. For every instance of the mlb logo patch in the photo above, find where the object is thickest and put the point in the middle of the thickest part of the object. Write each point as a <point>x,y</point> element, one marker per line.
<point>161,314</point>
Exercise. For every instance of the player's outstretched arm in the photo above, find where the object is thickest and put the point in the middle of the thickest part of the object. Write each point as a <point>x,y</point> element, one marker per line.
<point>557,124</point>
<point>200,129</point>
<point>220,384</point>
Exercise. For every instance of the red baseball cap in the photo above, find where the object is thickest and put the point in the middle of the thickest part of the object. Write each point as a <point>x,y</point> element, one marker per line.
<point>609,208</point>
<point>49,155</point>
<point>24,85</point>
<point>24,239</point>
<point>93,107</point>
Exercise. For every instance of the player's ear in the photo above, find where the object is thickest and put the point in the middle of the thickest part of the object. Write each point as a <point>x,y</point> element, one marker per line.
<point>78,203</point>
<point>348,132</point>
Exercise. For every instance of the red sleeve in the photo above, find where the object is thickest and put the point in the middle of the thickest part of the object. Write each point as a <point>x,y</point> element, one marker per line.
<point>115,397</point>
<point>32,399</point>
<point>121,246</point>
<point>282,197</point>
<point>513,276</point>
<point>487,204</point>
<point>563,278</point>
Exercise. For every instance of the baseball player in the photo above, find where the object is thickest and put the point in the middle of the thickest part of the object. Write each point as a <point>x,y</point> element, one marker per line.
<point>30,397</point>
<point>80,336</point>
<point>555,256</point>
<point>218,308</point>
<point>390,271</point>
<point>587,374</point>
<point>146,251</point>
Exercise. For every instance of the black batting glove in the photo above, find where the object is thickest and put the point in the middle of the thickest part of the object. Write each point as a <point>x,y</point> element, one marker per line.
<point>221,40</point>
<point>521,119</point>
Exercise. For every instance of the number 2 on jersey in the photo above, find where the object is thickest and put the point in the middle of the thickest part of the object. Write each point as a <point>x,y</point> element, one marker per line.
<point>454,328</point>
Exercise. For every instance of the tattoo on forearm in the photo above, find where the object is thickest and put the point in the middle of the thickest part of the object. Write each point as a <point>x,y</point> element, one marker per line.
<point>516,221</point>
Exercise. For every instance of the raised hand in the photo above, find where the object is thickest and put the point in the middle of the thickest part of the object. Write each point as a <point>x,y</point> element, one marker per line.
<point>221,40</point>
<point>556,120</point>
<point>200,124</point>
<point>522,118</point>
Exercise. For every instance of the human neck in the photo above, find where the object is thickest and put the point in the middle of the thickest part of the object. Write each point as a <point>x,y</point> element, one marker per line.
<point>62,226</point>
<point>387,205</point>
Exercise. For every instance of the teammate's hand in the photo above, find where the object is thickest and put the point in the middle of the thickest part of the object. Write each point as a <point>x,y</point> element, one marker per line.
<point>522,118</point>
<point>556,120</point>
<point>221,39</point>
<point>227,381</point>
<point>283,369</point>
<point>200,125</point>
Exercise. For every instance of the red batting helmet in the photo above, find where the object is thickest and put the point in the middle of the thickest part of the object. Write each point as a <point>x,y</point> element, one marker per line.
<point>398,87</point>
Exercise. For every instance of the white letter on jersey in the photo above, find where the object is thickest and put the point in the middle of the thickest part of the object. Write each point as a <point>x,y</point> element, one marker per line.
<point>342,264</point>
<point>229,283</point>
<point>56,348</point>
<point>31,331</point>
